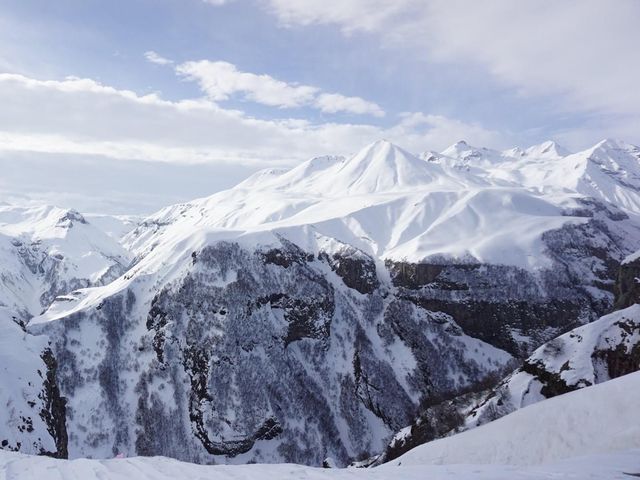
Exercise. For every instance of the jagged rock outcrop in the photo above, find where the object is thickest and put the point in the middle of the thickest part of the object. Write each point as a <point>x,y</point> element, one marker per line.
<point>597,352</point>
<point>600,351</point>
<point>54,411</point>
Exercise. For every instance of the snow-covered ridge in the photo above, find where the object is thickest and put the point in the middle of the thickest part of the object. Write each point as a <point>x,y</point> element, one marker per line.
<point>585,356</point>
<point>609,171</point>
<point>394,205</point>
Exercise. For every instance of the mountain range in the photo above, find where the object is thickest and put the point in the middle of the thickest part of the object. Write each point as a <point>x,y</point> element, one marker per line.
<point>341,311</point>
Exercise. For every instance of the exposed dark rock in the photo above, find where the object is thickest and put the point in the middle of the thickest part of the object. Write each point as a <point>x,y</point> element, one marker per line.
<point>552,382</point>
<point>414,275</point>
<point>624,358</point>
<point>489,301</point>
<point>54,412</point>
<point>627,288</point>
<point>156,321</point>
<point>69,217</point>
<point>357,270</point>
<point>307,317</point>
<point>286,256</point>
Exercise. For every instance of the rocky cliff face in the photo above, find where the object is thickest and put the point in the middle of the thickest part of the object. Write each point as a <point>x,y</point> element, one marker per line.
<point>605,349</point>
<point>265,355</point>
<point>516,309</point>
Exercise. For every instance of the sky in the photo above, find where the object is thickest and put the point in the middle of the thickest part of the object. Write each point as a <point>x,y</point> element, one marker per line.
<point>127,106</point>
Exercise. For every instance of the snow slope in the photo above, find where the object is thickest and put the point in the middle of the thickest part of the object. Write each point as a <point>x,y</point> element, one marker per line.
<point>384,201</point>
<point>595,420</point>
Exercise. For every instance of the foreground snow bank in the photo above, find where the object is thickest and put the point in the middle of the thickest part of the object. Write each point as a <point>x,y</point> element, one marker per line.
<point>594,420</point>
<point>25,467</point>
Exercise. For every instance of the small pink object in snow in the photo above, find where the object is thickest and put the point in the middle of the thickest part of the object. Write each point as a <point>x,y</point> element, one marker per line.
<point>120,455</point>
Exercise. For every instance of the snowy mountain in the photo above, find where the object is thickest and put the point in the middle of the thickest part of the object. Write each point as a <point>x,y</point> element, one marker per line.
<point>608,171</point>
<point>47,251</point>
<point>578,435</point>
<point>548,149</point>
<point>308,313</point>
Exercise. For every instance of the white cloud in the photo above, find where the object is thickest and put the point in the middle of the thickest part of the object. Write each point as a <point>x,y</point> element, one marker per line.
<point>582,52</point>
<point>153,57</point>
<point>82,116</point>
<point>221,80</point>
<point>334,102</point>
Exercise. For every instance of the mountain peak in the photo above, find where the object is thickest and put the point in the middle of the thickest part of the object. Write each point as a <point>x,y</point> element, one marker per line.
<point>379,147</point>
<point>548,149</point>
<point>612,144</point>
<point>380,166</point>
<point>458,149</point>
<point>468,154</point>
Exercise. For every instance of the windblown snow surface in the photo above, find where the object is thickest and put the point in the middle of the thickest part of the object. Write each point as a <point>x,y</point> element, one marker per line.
<point>593,433</point>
